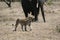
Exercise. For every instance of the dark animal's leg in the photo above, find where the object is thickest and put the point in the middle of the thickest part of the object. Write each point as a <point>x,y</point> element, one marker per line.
<point>32,13</point>
<point>8,3</point>
<point>26,14</point>
<point>17,22</point>
<point>15,26</point>
<point>25,8</point>
<point>36,14</point>
<point>25,28</point>
<point>36,17</point>
<point>42,10</point>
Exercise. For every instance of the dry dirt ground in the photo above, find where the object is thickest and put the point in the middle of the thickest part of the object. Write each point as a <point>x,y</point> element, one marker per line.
<point>40,30</point>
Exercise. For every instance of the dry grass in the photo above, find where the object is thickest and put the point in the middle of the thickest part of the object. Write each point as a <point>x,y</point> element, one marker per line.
<point>40,30</point>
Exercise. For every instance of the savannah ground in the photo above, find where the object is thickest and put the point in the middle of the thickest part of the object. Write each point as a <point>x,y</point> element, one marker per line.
<point>40,30</point>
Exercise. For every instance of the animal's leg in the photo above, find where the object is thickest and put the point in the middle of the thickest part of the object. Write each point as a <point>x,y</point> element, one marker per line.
<point>29,24</point>
<point>30,27</point>
<point>25,28</point>
<point>26,15</point>
<point>22,27</point>
<point>36,15</point>
<point>15,27</point>
<point>25,12</point>
<point>42,11</point>
<point>17,22</point>
<point>25,9</point>
<point>8,3</point>
<point>32,13</point>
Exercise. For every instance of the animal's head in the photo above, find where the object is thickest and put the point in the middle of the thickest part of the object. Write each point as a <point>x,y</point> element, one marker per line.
<point>30,19</point>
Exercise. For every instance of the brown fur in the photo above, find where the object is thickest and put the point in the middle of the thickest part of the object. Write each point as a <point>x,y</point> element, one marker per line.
<point>24,22</point>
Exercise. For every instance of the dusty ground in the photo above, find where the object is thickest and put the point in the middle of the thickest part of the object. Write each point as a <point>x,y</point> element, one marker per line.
<point>40,30</point>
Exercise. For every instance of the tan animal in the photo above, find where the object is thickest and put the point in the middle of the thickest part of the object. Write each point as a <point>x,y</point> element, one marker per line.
<point>24,22</point>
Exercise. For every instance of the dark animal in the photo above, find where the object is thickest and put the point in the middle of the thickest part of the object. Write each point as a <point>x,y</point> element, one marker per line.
<point>24,22</point>
<point>8,2</point>
<point>31,6</point>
